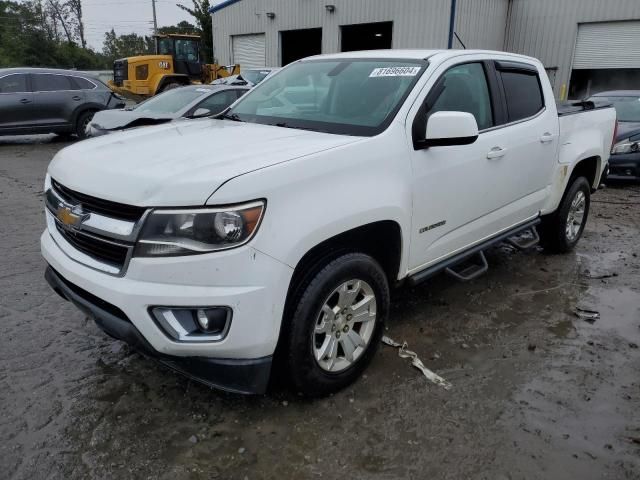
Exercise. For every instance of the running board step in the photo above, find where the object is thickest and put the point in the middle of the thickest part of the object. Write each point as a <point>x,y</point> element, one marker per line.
<point>524,244</point>
<point>469,271</point>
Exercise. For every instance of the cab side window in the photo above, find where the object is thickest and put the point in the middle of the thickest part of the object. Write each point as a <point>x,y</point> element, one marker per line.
<point>16,83</point>
<point>523,94</point>
<point>464,88</point>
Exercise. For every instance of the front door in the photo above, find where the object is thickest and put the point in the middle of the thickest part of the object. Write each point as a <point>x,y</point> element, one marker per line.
<point>16,102</point>
<point>455,187</point>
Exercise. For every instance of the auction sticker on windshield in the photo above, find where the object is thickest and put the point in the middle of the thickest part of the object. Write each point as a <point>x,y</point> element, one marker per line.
<point>395,72</point>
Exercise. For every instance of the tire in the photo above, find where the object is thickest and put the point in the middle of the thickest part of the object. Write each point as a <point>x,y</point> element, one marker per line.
<point>170,86</point>
<point>556,235</point>
<point>82,123</point>
<point>318,346</point>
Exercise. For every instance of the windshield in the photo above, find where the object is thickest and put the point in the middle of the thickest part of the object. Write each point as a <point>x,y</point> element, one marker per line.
<point>627,108</point>
<point>349,97</point>
<point>254,76</point>
<point>171,101</point>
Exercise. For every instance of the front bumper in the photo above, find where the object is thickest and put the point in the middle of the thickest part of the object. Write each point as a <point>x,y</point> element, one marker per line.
<point>233,375</point>
<point>252,284</point>
<point>625,166</point>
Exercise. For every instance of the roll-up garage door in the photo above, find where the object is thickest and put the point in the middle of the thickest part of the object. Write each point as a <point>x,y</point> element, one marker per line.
<point>608,45</point>
<point>248,50</point>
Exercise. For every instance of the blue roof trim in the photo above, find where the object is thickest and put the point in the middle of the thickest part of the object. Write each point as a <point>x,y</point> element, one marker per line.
<point>220,6</point>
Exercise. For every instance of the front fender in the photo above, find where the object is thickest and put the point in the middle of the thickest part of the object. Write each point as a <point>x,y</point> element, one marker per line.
<point>314,198</point>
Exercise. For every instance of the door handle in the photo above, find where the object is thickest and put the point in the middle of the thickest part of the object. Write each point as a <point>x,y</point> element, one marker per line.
<point>25,101</point>
<point>76,97</point>
<point>496,152</point>
<point>547,137</point>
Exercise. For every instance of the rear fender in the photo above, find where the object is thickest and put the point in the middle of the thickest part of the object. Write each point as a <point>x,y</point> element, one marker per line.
<point>563,173</point>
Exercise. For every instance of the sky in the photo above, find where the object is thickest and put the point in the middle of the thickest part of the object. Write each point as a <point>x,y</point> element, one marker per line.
<point>127,16</point>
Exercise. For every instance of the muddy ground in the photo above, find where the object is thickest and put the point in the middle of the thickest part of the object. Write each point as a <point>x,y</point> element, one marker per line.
<point>537,392</point>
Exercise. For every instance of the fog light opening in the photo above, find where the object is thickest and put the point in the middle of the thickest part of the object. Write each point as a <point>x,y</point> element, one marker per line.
<point>184,324</point>
<point>212,320</point>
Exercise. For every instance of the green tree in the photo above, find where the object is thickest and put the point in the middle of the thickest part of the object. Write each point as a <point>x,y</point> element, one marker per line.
<point>183,27</point>
<point>128,45</point>
<point>200,12</point>
<point>31,36</point>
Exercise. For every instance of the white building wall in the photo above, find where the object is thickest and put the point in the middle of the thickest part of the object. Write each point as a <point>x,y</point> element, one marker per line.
<point>547,29</point>
<point>416,23</point>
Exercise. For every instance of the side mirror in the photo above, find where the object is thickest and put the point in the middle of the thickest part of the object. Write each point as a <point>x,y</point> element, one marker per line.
<point>201,112</point>
<point>450,128</point>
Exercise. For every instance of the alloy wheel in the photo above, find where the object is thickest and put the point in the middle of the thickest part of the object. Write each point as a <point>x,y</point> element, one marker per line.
<point>344,326</point>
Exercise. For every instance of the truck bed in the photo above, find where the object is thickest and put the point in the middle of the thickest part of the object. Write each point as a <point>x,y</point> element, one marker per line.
<point>579,106</point>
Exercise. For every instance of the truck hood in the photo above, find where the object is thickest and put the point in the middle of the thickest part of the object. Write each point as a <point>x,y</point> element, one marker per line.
<point>116,119</point>
<point>181,163</point>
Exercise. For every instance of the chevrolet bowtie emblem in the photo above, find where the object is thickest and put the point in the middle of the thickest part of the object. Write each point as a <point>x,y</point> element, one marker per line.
<point>71,216</point>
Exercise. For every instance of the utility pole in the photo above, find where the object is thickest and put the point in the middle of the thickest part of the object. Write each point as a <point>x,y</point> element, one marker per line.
<point>452,23</point>
<point>155,20</point>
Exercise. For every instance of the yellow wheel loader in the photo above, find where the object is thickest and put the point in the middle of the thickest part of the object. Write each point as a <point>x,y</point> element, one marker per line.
<point>177,62</point>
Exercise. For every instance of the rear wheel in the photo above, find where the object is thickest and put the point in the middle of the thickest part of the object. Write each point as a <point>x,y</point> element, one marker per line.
<point>337,324</point>
<point>561,231</point>
<point>82,123</point>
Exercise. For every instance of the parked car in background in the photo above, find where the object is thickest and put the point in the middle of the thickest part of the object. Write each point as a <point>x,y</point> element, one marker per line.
<point>184,102</point>
<point>332,182</point>
<point>624,163</point>
<point>39,100</point>
<point>249,76</point>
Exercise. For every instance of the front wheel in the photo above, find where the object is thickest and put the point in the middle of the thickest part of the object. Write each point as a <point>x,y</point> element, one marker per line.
<point>337,325</point>
<point>83,123</point>
<point>561,231</point>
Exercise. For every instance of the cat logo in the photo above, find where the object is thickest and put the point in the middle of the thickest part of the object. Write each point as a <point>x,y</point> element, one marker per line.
<point>164,65</point>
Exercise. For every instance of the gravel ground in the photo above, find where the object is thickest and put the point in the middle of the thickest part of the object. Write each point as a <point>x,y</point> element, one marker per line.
<point>538,393</point>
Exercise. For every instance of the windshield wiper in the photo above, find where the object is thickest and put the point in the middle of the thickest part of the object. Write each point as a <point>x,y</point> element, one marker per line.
<point>231,116</point>
<point>286,125</point>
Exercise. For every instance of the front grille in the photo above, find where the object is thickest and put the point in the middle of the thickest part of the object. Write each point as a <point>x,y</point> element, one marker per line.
<point>120,72</point>
<point>96,205</point>
<point>106,251</point>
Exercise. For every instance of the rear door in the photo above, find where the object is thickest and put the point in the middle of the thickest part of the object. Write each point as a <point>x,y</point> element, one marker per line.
<point>16,102</point>
<point>529,136</point>
<point>56,98</point>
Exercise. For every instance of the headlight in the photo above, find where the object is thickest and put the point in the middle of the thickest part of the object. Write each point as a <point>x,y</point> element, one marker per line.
<point>187,232</point>
<point>626,146</point>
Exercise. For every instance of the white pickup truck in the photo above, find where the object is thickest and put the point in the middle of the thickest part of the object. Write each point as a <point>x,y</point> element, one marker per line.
<point>271,236</point>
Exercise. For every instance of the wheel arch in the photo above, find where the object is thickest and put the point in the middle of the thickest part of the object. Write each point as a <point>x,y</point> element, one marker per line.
<point>588,166</point>
<point>162,81</point>
<point>382,240</point>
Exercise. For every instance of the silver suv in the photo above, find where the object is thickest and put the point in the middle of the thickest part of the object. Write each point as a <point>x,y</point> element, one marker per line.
<point>38,100</point>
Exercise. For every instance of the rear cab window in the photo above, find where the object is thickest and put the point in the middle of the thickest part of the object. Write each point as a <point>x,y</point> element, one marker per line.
<point>522,90</point>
